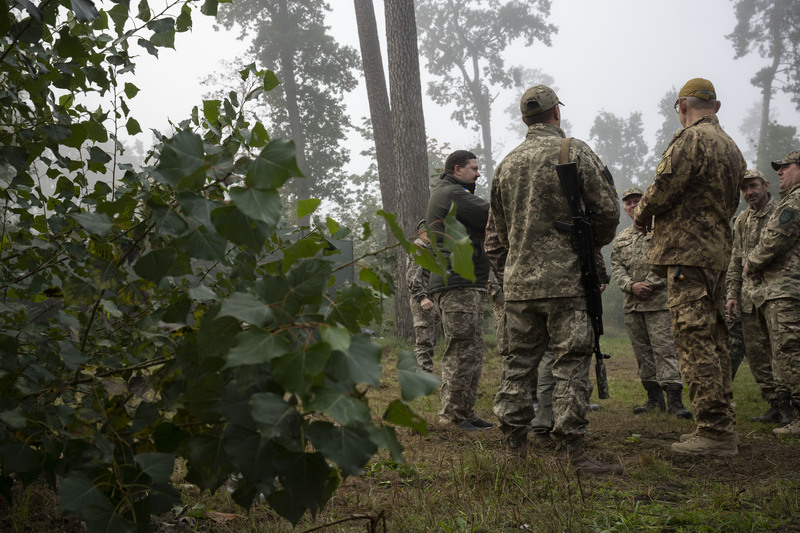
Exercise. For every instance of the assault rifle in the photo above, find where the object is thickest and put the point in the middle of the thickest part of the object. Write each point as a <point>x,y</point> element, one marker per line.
<point>582,243</point>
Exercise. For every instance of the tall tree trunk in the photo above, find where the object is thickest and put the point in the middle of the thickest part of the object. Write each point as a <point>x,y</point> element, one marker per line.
<point>485,120</point>
<point>767,81</point>
<point>289,83</point>
<point>408,124</point>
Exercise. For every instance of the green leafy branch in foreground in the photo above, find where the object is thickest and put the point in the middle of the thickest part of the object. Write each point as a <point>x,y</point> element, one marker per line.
<point>174,315</point>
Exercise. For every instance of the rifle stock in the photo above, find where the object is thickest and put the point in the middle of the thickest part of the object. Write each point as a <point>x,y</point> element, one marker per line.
<point>581,236</point>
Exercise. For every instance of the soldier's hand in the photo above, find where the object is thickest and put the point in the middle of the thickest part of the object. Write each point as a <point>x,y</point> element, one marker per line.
<point>732,308</point>
<point>641,290</point>
<point>752,274</point>
<point>426,304</point>
<point>642,227</point>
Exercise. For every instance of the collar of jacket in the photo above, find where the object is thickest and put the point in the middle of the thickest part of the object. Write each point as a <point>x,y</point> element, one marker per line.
<point>470,187</point>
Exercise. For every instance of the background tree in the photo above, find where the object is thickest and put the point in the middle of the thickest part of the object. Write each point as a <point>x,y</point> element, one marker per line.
<point>291,38</point>
<point>669,125</point>
<point>620,144</point>
<point>771,28</point>
<point>463,44</point>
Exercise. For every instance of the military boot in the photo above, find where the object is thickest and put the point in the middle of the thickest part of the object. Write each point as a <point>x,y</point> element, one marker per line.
<point>786,410</point>
<point>674,402</point>
<point>573,452</point>
<point>699,445</point>
<point>772,415</point>
<point>792,428</point>
<point>655,399</point>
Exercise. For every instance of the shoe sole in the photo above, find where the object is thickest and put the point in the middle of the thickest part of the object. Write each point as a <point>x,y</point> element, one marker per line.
<point>711,453</point>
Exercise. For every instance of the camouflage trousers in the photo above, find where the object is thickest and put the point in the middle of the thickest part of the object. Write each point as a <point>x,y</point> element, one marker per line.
<point>696,304</point>
<point>461,312</point>
<point>426,333</point>
<point>530,326</point>
<point>651,339</point>
<point>498,308</point>
<point>736,337</point>
<point>545,385</point>
<point>783,320</point>
<point>759,354</point>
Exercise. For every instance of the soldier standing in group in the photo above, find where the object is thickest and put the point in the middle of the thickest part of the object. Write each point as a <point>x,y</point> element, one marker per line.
<point>544,298</point>
<point>647,319</point>
<point>426,321</point>
<point>459,300</point>
<point>746,297</point>
<point>776,260</point>
<point>694,194</point>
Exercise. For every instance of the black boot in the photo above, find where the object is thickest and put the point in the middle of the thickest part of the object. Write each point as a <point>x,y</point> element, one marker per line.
<point>773,414</point>
<point>674,402</point>
<point>787,412</point>
<point>655,398</point>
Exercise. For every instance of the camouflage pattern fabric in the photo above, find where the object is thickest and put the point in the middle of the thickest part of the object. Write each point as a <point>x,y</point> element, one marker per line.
<point>755,328</point>
<point>546,384</point>
<point>701,343</point>
<point>530,324</point>
<point>736,338</point>
<point>694,194</point>
<point>426,323</point>
<point>629,265</point>
<point>747,231</point>
<point>494,250</point>
<point>783,320</point>
<point>651,338</point>
<point>544,297</point>
<point>461,311</point>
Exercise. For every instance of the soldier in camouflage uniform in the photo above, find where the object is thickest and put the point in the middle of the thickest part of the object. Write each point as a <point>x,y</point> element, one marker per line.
<point>544,297</point>
<point>459,301</point>
<point>776,260</point>
<point>693,197</point>
<point>646,316</point>
<point>746,297</point>
<point>426,321</point>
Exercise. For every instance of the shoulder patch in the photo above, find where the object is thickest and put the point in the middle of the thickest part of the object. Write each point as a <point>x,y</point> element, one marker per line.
<point>787,215</point>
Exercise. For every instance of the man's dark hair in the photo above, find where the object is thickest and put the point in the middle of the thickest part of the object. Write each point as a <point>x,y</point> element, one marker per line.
<point>459,158</point>
<point>541,117</point>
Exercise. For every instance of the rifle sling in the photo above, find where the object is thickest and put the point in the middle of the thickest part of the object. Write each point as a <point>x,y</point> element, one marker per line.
<point>565,150</point>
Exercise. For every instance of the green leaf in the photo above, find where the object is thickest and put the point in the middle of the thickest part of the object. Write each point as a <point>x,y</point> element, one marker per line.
<point>342,407</point>
<point>181,156</point>
<point>300,249</point>
<point>84,10</point>
<point>414,382</point>
<point>209,8</point>
<point>336,338</point>
<point>363,359</point>
<point>308,279</point>
<point>255,347</point>
<point>270,80</point>
<point>298,371</point>
<point>247,308</point>
<point>132,126</point>
<point>234,225</point>
<point>258,204</point>
<point>274,165</point>
<point>79,292</point>
<point>211,110</point>
<point>275,418</point>
<point>306,207</point>
<point>209,466</point>
<point>14,419</point>
<point>201,244</point>
<point>305,477</point>
<point>400,414</point>
<point>79,495</point>
<point>350,448</point>
<point>131,90</point>
<point>396,230</point>
<point>184,20</point>
<point>158,466</point>
<point>96,223</point>
<point>156,264</point>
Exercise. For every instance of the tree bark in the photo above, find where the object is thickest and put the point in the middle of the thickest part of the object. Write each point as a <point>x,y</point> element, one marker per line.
<point>408,124</point>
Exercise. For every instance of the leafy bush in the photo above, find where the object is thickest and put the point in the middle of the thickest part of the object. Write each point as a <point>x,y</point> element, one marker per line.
<point>165,312</point>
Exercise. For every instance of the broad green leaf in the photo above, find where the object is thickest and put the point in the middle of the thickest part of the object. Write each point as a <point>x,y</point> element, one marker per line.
<point>286,505</point>
<point>275,418</point>
<point>57,132</point>
<point>132,126</point>
<point>144,13</point>
<point>274,165</point>
<point>234,225</point>
<point>363,359</point>
<point>350,448</point>
<point>209,8</point>
<point>84,10</point>
<point>71,355</point>
<point>14,419</point>
<point>400,414</point>
<point>96,223</point>
<point>156,264</point>
<point>255,347</point>
<point>247,308</point>
<point>414,382</point>
<point>158,466</point>
<point>306,207</point>
<point>184,21</point>
<point>211,110</point>
<point>181,156</point>
<point>270,80</point>
<point>308,279</point>
<point>202,293</point>
<point>131,90</point>
<point>396,230</point>
<point>79,292</point>
<point>300,249</point>
<point>337,338</point>
<point>258,204</point>
<point>201,244</point>
<point>105,274</point>
<point>342,407</point>
<point>305,476</point>
<point>298,371</point>
<point>79,495</point>
<point>209,466</point>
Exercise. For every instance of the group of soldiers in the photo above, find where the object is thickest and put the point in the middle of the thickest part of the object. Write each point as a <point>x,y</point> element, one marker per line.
<point>684,273</point>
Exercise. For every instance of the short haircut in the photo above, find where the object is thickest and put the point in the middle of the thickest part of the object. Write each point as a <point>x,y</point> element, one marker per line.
<point>541,117</point>
<point>698,103</point>
<point>458,158</point>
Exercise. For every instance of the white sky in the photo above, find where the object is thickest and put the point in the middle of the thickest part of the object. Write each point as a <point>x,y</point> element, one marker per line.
<point>619,56</point>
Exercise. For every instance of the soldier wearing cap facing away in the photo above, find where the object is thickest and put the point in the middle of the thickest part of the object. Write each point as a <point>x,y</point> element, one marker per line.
<point>776,260</point>
<point>746,297</point>
<point>426,321</point>
<point>693,196</point>
<point>544,298</point>
<point>647,319</point>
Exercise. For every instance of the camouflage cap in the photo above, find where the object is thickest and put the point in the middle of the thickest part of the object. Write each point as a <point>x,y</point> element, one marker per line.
<point>538,99</point>
<point>793,157</point>
<point>754,174</point>
<point>699,87</point>
<point>631,191</point>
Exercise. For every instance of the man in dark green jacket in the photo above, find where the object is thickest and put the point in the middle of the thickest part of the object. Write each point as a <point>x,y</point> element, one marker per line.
<point>459,301</point>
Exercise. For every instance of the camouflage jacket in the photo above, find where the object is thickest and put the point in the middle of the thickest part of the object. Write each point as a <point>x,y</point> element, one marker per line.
<point>629,265</point>
<point>497,254</point>
<point>778,252</point>
<point>526,201</point>
<point>473,212</point>
<point>417,277</point>
<point>693,196</point>
<point>747,231</point>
